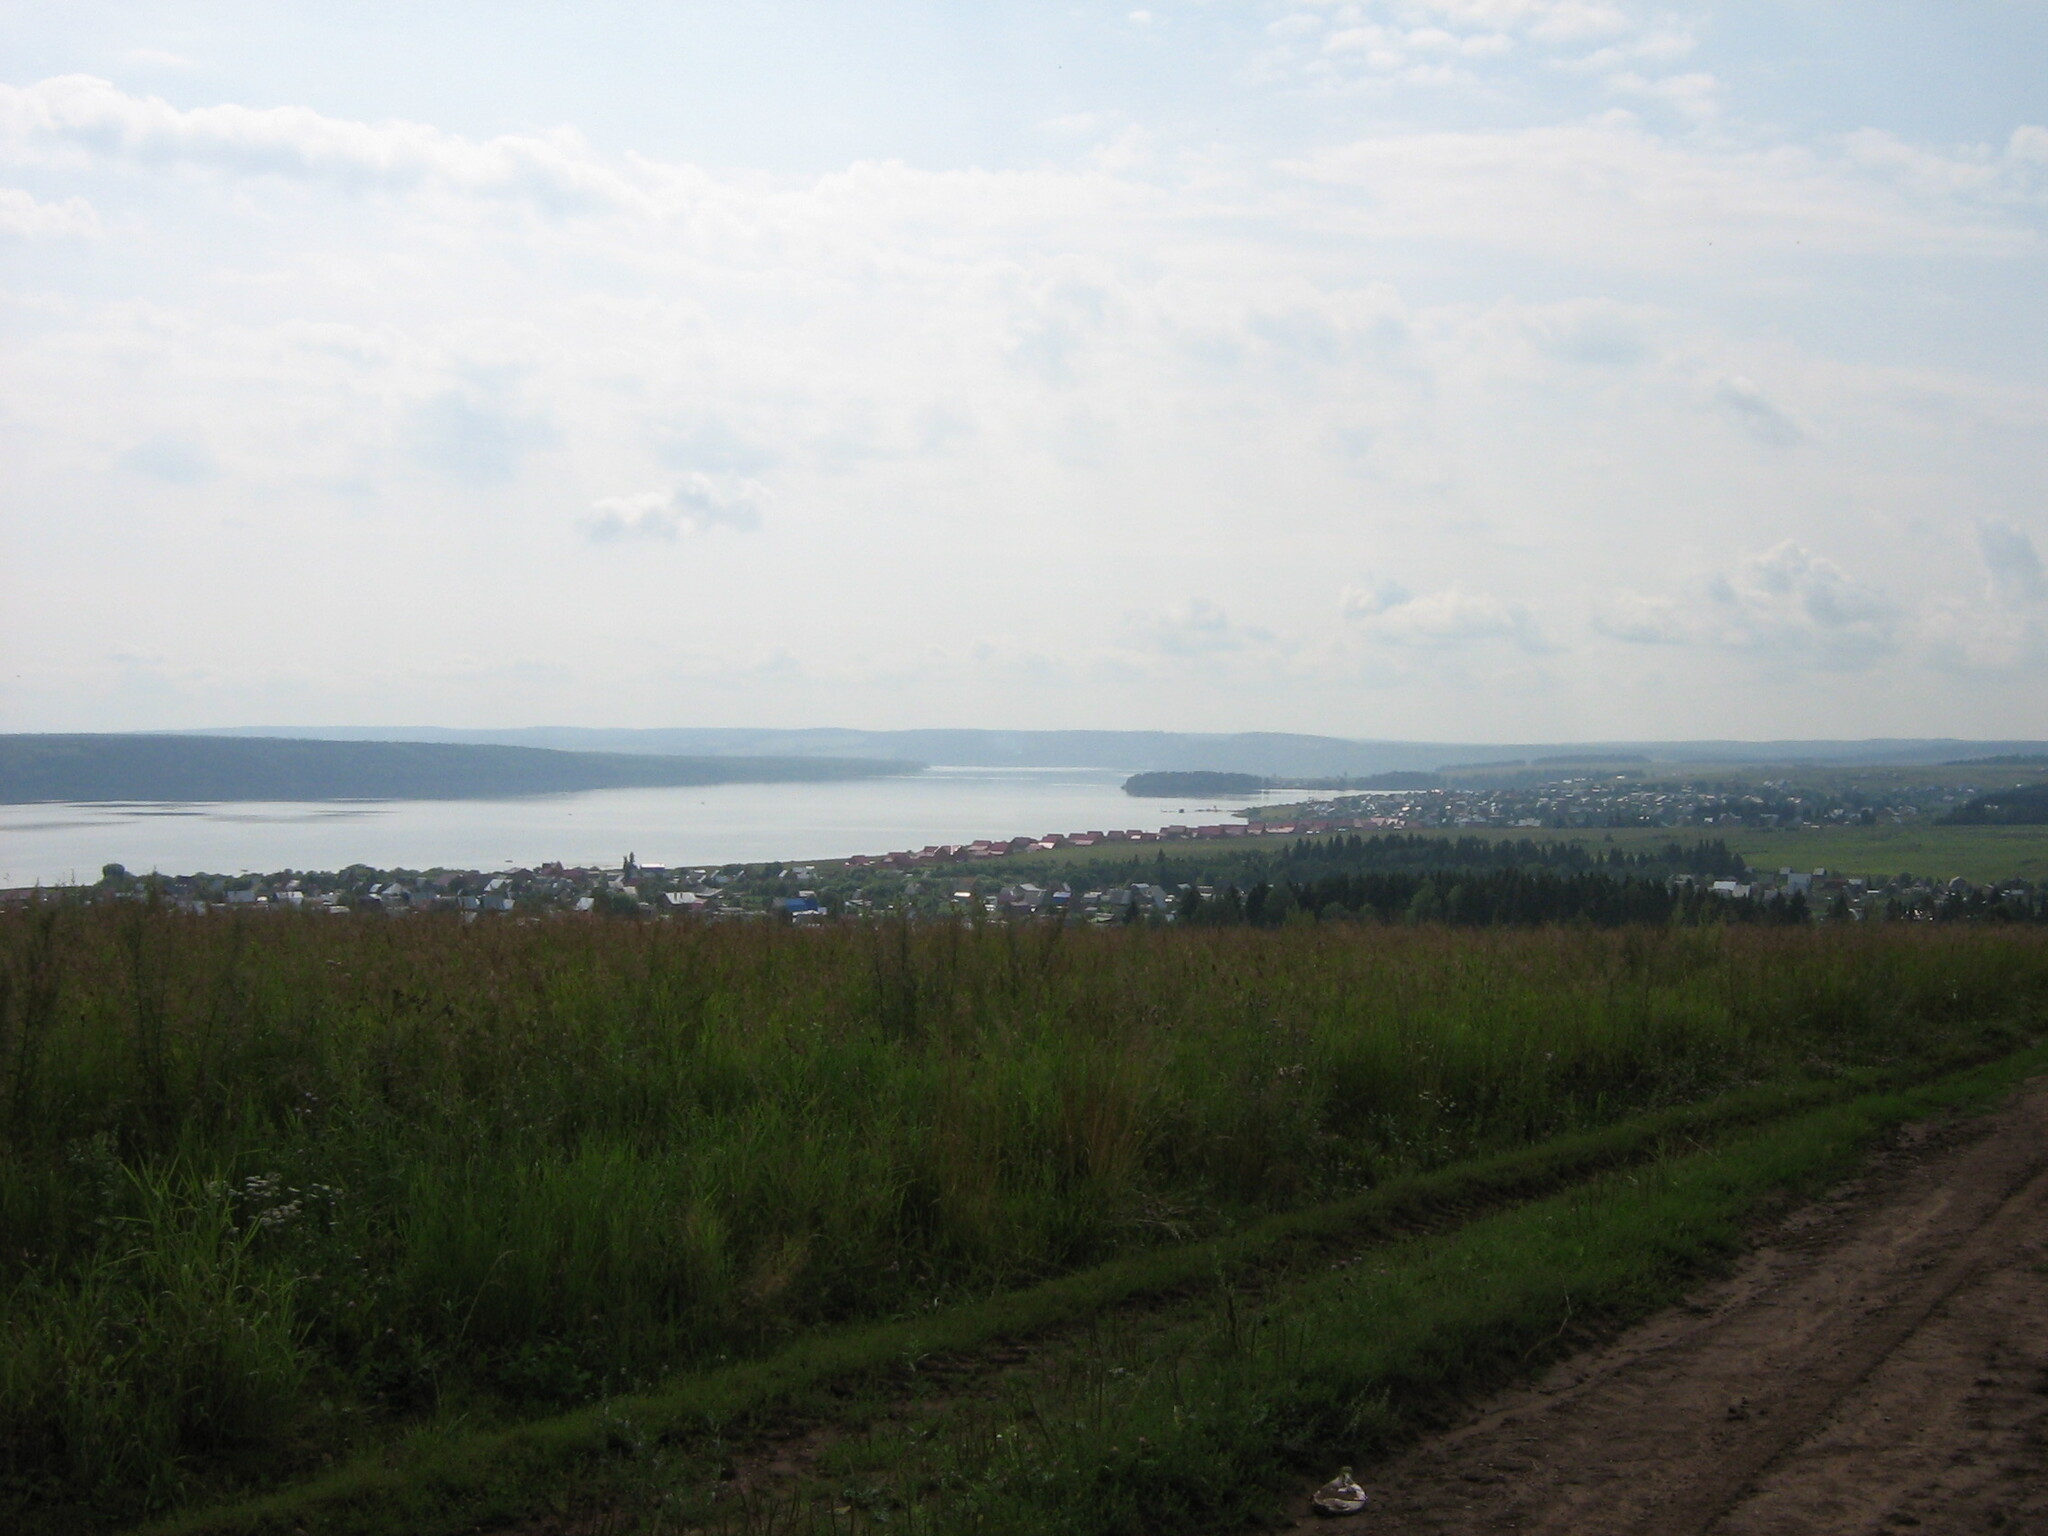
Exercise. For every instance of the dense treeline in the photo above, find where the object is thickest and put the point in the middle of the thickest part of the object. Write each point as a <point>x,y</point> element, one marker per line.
<point>1395,850</point>
<point>1482,899</point>
<point>1982,904</point>
<point>1477,882</point>
<point>1308,859</point>
<point>2025,805</point>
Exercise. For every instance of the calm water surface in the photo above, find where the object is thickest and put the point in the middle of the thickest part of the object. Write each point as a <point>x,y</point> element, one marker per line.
<point>705,824</point>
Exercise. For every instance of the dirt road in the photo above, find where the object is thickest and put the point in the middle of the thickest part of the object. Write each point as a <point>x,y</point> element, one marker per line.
<point>1880,1363</point>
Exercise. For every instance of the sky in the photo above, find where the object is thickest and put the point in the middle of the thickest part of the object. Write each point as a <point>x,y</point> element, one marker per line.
<point>1484,370</point>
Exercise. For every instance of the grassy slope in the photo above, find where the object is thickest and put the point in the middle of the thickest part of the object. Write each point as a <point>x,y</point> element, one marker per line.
<point>1202,1425</point>
<point>274,1192</point>
<point>1195,1417</point>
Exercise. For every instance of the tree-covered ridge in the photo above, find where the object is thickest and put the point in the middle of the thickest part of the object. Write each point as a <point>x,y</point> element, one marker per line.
<point>170,767</point>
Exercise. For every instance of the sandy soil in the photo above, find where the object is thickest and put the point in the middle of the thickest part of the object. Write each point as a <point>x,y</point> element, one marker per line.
<point>1878,1363</point>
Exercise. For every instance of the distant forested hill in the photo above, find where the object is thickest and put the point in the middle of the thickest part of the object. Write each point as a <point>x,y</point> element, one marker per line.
<point>123,767</point>
<point>1274,753</point>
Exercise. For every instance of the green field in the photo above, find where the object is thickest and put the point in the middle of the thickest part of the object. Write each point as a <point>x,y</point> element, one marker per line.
<point>1978,854</point>
<point>277,1193</point>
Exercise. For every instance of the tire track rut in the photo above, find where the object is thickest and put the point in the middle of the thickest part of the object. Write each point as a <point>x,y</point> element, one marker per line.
<point>1879,1363</point>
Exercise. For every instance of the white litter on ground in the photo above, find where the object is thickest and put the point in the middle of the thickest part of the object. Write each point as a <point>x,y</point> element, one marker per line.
<point>1341,1495</point>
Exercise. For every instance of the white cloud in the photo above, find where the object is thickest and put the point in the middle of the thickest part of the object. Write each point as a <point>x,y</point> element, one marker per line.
<point>1659,44</point>
<point>1604,188</point>
<point>2013,565</point>
<point>1081,124</point>
<point>1417,41</point>
<point>1642,619</point>
<point>1195,630</point>
<point>171,459</point>
<point>158,58</point>
<point>473,436</point>
<point>706,444</point>
<point>1749,408</point>
<point>1790,586</point>
<point>21,214</point>
<point>1374,596</point>
<point>696,504</point>
<point>1567,21</point>
<point>74,116</point>
<point>980,404</point>
<point>2005,631</point>
<point>1979,174</point>
<point>1593,331</point>
<point>1609,191</point>
<point>1787,607</point>
<point>1450,618</point>
<point>1695,95</point>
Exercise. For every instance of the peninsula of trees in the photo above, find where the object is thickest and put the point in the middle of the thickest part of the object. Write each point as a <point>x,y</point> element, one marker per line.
<point>1192,785</point>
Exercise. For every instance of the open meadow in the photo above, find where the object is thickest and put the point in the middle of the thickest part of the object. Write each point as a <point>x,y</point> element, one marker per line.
<point>1974,853</point>
<point>1978,854</point>
<point>274,1191</point>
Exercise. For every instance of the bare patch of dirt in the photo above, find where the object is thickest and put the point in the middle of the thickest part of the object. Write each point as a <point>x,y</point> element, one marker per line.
<point>1878,1364</point>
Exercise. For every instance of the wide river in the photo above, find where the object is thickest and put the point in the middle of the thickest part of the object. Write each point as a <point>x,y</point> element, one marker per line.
<point>56,844</point>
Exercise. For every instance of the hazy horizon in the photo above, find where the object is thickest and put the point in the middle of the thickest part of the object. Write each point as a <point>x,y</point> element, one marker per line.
<point>1282,753</point>
<point>1461,371</point>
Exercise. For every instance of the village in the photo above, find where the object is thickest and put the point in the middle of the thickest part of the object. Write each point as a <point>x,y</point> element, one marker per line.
<point>1094,876</point>
<point>1632,799</point>
<point>953,883</point>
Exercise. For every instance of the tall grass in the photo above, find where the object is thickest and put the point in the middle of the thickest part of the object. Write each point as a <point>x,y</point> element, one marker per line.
<point>269,1185</point>
<point>1200,1417</point>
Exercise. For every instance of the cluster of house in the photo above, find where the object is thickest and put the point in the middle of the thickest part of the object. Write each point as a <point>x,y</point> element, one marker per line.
<point>791,893</point>
<point>996,848</point>
<point>1630,800</point>
<point>555,887</point>
<point>1105,906</point>
<point>1832,892</point>
<point>1817,886</point>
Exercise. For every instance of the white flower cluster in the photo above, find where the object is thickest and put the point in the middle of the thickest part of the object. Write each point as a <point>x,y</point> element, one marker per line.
<point>269,1200</point>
